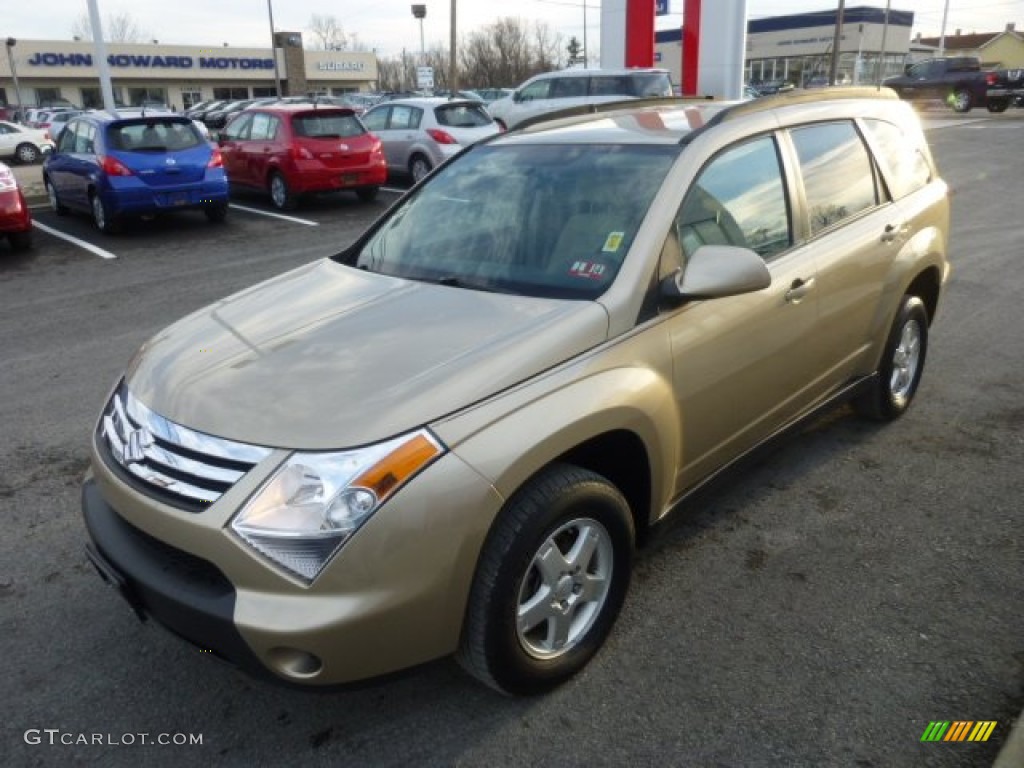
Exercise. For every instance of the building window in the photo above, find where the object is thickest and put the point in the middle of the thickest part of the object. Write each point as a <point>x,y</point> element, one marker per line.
<point>48,97</point>
<point>263,93</point>
<point>3,96</point>
<point>190,98</point>
<point>138,97</point>
<point>226,94</point>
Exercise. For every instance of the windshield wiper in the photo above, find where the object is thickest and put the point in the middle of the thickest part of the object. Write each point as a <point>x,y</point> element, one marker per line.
<point>459,282</point>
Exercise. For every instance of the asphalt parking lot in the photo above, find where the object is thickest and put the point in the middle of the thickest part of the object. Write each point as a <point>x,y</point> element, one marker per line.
<point>820,609</point>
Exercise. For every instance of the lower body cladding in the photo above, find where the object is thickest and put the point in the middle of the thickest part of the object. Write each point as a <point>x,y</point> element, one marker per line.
<point>393,597</point>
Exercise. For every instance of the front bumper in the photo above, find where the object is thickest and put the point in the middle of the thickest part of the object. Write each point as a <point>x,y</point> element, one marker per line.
<point>392,598</point>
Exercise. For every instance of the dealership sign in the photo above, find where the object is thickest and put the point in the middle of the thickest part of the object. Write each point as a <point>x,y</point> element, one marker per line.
<point>151,62</point>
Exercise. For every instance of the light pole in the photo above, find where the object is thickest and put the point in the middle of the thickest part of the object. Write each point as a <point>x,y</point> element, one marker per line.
<point>420,12</point>
<point>454,76</point>
<point>273,50</point>
<point>11,42</point>
<point>837,43</point>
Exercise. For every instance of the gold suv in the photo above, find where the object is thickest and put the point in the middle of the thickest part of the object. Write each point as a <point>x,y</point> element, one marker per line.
<point>448,438</point>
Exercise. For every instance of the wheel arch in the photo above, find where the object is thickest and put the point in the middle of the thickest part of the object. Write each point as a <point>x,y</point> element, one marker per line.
<point>927,286</point>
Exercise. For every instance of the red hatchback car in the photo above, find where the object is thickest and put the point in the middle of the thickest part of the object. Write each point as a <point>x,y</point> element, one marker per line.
<point>292,149</point>
<point>15,219</point>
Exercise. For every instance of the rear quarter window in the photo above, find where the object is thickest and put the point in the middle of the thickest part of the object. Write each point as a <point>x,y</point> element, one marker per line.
<point>903,157</point>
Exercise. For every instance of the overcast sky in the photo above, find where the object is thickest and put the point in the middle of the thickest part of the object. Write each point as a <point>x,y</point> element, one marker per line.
<point>388,25</point>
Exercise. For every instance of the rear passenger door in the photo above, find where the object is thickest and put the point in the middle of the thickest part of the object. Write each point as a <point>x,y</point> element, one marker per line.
<point>232,144</point>
<point>741,365</point>
<point>855,231</point>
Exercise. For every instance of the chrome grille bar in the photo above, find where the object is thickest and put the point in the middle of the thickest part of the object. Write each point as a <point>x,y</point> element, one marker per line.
<point>175,461</point>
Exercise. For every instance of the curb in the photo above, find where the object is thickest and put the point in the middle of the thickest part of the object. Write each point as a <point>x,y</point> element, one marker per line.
<point>1012,753</point>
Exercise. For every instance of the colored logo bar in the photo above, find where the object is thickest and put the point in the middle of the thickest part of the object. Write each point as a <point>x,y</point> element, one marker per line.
<point>958,730</point>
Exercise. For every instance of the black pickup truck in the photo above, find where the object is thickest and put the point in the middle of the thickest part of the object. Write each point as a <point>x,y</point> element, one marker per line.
<point>956,80</point>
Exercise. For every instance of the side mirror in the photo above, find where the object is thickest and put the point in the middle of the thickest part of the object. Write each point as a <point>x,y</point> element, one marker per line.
<point>517,96</point>
<point>716,271</point>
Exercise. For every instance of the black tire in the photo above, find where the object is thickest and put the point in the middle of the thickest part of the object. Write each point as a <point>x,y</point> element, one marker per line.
<point>553,510</point>
<point>367,194</point>
<point>280,194</point>
<point>501,124</point>
<point>101,217</point>
<point>216,213</point>
<point>20,241</point>
<point>961,100</point>
<point>419,167</point>
<point>903,358</point>
<point>27,153</point>
<point>55,204</point>
<point>997,105</point>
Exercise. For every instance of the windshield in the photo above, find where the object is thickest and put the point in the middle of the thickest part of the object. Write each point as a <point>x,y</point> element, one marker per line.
<point>540,220</point>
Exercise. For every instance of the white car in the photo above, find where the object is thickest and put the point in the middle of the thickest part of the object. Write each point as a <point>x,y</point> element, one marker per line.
<point>553,91</point>
<point>26,145</point>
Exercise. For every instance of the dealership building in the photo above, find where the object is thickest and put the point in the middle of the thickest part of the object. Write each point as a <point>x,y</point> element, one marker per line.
<point>50,71</point>
<point>798,48</point>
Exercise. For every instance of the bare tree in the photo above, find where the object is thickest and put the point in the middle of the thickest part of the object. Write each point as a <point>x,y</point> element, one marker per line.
<point>507,52</point>
<point>117,28</point>
<point>327,33</point>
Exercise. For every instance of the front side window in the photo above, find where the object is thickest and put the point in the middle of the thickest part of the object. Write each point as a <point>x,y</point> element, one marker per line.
<point>377,119</point>
<point>68,137</point>
<point>908,168</point>
<point>538,220</point>
<point>568,87</point>
<point>838,176</point>
<point>738,199</point>
<point>537,90</point>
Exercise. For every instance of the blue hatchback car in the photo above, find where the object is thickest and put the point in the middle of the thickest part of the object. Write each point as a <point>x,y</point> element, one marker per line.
<point>134,164</point>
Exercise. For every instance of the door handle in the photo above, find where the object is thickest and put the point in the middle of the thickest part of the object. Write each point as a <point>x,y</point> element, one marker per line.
<point>798,289</point>
<point>893,231</point>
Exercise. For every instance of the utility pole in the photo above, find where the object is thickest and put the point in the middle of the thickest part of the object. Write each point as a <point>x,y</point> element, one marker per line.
<point>942,34</point>
<point>833,70</point>
<point>100,46</point>
<point>11,42</point>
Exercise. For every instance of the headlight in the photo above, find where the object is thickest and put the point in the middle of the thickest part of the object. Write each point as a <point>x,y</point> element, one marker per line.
<point>315,501</point>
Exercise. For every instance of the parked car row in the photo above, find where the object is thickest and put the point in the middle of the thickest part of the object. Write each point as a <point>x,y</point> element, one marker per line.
<point>15,218</point>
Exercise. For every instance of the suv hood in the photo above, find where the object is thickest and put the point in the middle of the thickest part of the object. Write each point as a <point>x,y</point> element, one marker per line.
<point>327,356</point>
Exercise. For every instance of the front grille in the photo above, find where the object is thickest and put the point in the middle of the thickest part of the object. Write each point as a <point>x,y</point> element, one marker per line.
<point>180,465</point>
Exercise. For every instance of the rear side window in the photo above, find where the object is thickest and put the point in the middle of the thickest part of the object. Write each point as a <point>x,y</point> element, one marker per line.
<point>462,116</point>
<point>153,136</point>
<point>264,127</point>
<point>650,84</point>
<point>568,87</point>
<point>838,175</point>
<point>904,158</point>
<point>326,126</point>
<point>85,139</point>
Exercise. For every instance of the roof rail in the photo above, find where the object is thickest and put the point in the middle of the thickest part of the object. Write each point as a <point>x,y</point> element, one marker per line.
<point>733,110</point>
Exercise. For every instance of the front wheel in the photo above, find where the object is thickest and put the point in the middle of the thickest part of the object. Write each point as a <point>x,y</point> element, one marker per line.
<point>101,216</point>
<point>550,582</point>
<point>997,105</point>
<point>897,378</point>
<point>55,204</point>
<point>961,100</point>
<point>280,195</point>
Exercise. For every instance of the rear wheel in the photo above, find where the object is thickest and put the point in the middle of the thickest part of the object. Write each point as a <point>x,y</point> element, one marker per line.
<point>419,167</point>
<point>55,204</point>
<point>550,582</point>
<point>902,364</point>
<point>280,195</point>
<point>27,153</point>
<point>367,194</point>
<point>101,216</point>
<point>216,213</point>
<point>961,100</point>
<point>20,241</point>
<point>997,105</point>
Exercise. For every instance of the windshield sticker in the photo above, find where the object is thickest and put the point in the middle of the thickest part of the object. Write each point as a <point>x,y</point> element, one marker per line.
<point>590,270</point>
<point>613,242</point>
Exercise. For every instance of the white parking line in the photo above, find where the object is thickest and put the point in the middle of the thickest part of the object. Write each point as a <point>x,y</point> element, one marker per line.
<point>307,222</point>
<point>80,243</point>
<point>394,190</point>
